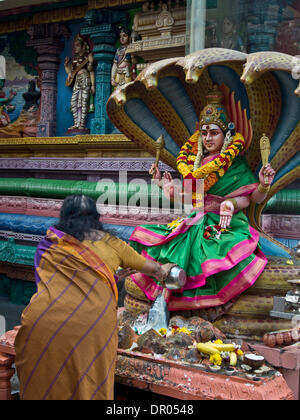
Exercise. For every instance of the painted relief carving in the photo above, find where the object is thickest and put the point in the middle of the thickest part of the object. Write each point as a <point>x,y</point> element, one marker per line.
<point>81,77</point>
<point>123,69</point>
<point>5,106</point>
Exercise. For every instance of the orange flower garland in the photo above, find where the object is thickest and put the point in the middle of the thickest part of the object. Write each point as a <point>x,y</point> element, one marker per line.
<point>211,171</point>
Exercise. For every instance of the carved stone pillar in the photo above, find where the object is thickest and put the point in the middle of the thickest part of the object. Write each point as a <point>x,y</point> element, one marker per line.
<point>102,31</point>
<point>46,40</point>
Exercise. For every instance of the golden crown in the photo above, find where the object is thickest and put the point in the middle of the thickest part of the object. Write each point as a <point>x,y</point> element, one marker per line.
<point>214,112</point>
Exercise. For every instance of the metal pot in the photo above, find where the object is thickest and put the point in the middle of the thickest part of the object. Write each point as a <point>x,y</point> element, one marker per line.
<point>176,278</point>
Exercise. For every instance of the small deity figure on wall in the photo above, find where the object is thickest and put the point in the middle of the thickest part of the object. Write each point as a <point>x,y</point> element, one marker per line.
<point>81,76</point>
<point>211,40</point>
<point>31,97</point>
<point>230,38</point>
<point>5,105</point>
<point>123,70</point>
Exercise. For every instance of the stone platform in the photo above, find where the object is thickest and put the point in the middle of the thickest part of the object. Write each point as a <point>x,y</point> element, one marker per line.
<point>286,360</point>
<point>165,377</point>
<point>190,382</point>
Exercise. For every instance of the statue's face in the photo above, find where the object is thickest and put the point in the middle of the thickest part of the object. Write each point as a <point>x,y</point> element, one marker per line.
<point>213,138</point>
<point>78,47</point>
<point>227,26</point>
<point>124,38</point>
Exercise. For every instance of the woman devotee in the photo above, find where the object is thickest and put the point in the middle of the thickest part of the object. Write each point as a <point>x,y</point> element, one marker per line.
<point>66,347</point>
<point>219,251</point>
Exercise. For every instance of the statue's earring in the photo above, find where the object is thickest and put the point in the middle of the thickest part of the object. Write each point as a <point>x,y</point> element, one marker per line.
<point>227,141</point>
<point>228,138</point>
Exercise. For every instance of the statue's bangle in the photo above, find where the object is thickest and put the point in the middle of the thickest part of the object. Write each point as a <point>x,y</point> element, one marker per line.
<point>234,202</point>
<point>263,189</point>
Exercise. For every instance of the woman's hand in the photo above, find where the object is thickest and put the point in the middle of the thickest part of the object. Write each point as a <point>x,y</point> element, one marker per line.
<point>165,270</point>
<point>266,173</point>
<point>159,272</point>
<point>226,212</point>
<point>123,273</point>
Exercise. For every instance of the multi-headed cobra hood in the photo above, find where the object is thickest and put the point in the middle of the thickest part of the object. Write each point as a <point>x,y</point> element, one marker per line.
<point>261,96</point>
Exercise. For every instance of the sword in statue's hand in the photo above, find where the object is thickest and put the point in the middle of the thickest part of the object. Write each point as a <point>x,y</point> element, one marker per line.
<point>265,149</point>
<point>159,146</point>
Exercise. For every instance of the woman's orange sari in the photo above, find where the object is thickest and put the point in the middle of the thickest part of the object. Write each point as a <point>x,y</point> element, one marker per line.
<point>67,345</point>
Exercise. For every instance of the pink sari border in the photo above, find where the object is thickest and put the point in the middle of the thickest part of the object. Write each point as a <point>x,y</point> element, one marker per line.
<point>161,240</point>
<point>230,260</point>
<point>228,292</point>
<point>147,285</point>
<point>224,264</point>
<point>144,230</point>
<point>212,204</point>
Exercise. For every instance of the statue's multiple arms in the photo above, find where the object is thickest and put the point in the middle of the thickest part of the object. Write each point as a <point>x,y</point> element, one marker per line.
<point>260,194</point>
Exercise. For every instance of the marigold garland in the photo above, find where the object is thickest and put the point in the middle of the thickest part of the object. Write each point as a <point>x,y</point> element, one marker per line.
<point>211,171</point>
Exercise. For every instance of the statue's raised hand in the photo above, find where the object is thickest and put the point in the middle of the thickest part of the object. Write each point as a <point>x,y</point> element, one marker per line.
<point>266,173</point>
<point>66,60</point>
<point>155,172</point>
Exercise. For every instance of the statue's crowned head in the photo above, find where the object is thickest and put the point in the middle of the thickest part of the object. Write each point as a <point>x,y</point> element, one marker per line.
<point>214,112</point>
<point>81,46</point>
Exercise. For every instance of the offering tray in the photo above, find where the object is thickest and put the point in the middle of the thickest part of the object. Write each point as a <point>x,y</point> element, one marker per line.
<point>185,381</point>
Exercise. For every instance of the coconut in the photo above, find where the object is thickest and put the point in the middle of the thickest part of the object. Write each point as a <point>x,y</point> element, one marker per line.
<point>254,360</point>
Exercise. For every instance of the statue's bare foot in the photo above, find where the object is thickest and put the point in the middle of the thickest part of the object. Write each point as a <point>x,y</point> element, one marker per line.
<point>81,127</point>
<point>73,127</point>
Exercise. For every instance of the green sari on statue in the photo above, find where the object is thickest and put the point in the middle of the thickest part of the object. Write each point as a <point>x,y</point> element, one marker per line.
<point>218,268</point>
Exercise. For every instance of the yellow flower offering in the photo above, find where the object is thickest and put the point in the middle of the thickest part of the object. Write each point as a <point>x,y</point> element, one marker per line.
<point>218,342</point>
<point>240,352</point>
<point>216,359</point>
<point>184,331</point>
<point>163,332</point>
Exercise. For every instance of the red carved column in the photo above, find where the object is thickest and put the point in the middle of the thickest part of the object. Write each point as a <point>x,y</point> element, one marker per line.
<point>6,372</point>
<point>46,40</point>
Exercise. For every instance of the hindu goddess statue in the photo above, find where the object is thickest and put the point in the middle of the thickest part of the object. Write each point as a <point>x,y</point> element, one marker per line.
<point>218,249</point>
<point>81,75</point>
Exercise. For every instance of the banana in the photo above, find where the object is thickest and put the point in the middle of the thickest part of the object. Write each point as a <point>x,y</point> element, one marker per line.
<point>207,348</point>
<point>223,347</point>
<point>233,358</point>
